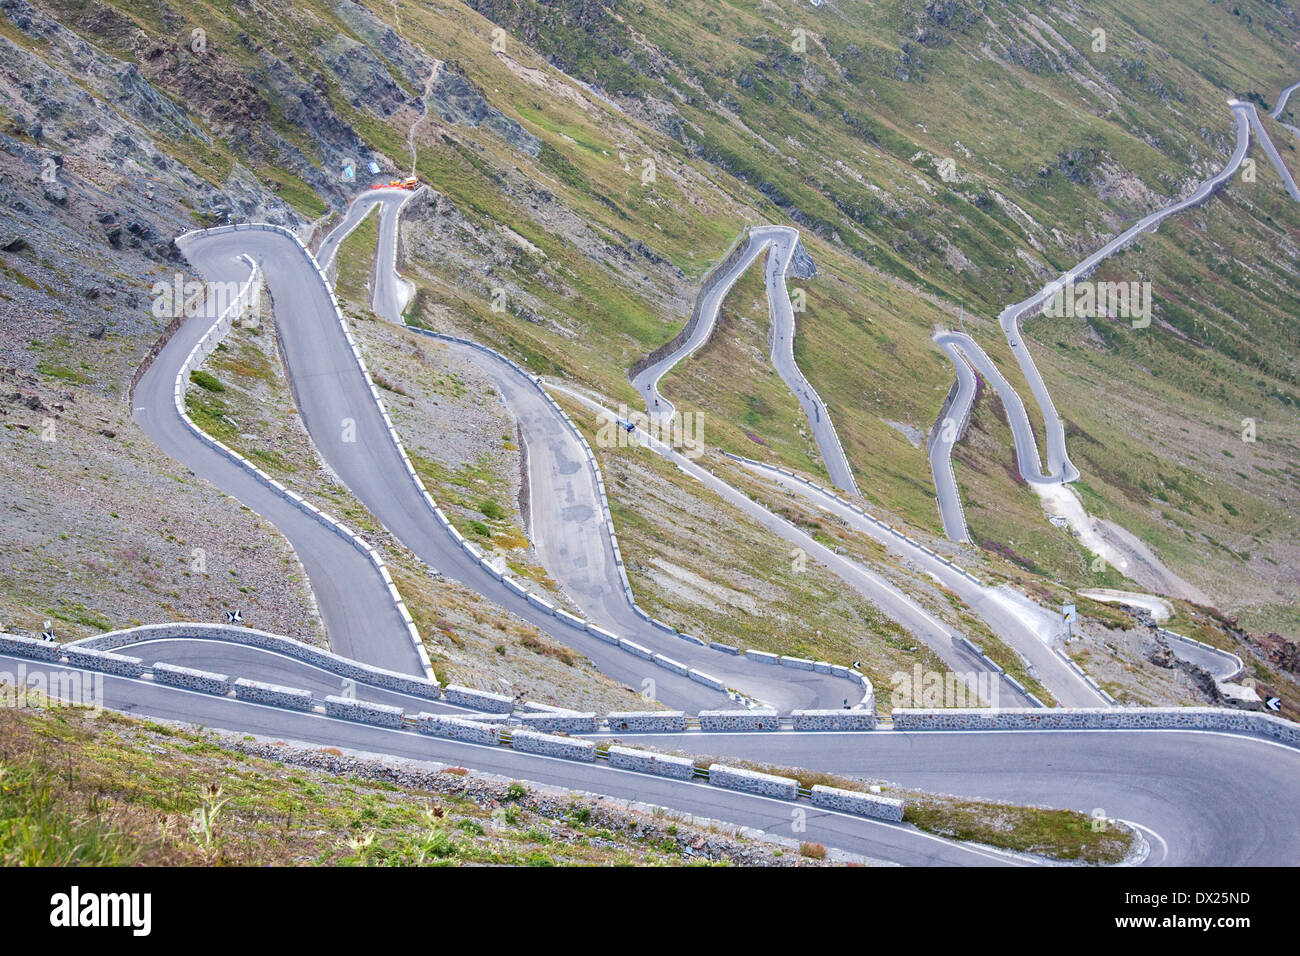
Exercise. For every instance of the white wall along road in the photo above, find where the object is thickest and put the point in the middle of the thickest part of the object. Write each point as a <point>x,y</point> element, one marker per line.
<point>362,586</point>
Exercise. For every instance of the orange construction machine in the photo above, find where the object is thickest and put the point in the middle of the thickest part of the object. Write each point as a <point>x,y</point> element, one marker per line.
<point>410,182</point>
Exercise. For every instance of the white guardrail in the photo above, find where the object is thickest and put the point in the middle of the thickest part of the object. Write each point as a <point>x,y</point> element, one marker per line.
<point>205,346</point>
<point>860,512</point>
<point>608,525</point>
<point>222,326</point>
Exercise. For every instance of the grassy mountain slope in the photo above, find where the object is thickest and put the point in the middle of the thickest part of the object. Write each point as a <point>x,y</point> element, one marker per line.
<point>542,200</point>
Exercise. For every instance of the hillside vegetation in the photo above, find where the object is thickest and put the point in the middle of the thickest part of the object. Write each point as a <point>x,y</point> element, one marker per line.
<point>590,163</point>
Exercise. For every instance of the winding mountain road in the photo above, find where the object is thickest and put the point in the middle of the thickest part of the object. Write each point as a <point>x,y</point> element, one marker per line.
<point>780,243</point>
<point>354,602</point>
<point>1204,799</point>
<point>1200,797</point>
<point>1005,612</point>
<point>568,531</point>
<point>961,349</point>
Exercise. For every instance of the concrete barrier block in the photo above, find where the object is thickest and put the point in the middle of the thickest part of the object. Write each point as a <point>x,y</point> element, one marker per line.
<point>643,761</point>
<point>725,648</point>
<point>857,803</point>
<point>477,699</point>
<point>666,628</point>
<point>667,663</point>
<point>571,619</point>
<point>601,634</point>
<point>751,781</point>
<point>539,602</point>
<point>647,721</point>
<point>799,663</point>
<point>363,711</point>
<point>632,647</point>
<point>551,746</point>
<point>514,586</point>
<point>762,657</point>
<point>708,680</point>
<point>729,720</point>
<point>190,679</point>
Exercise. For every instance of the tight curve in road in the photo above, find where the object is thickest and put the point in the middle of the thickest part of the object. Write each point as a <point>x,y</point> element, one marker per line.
<point>338,409</point>
<point>1005,614</point>
<point>961,349</point>
<point>1280,107</point>
<point>354,602</point>
<point>1201,798</point>
<point>573,543</point>
<point>1209,821</point>
<point>780,243</point>
<point>893,602</point>
<point>572,540</point>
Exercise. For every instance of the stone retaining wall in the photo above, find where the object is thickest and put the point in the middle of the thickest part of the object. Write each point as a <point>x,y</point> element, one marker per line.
<point>30,648</point>
<point>103,661</point>
<point>575,723</point>
<point>191,679</point>
<point>363,711</point>
<point>643,761</point>
<point>647,721</point>
<point>272,694</point>
<point>457,728</point>
<point>855,802</point>
<point>317,657</point>
<point>714,720</point>
<point>834,719</point>
<point>1103,718</point>
<point>551,746</point>
<point>751,781</point>
<point>478,699</point>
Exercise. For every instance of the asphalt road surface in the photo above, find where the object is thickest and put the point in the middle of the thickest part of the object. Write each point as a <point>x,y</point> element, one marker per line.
<point>358,612</point>
<point>992,606</point>
<point>571,538</point>
<point>1214,799</point>
<point>961,349</point>
<point>1202,798</point>
<point>780,243</point>
<point>1058,459</point>
<point>893,602</point>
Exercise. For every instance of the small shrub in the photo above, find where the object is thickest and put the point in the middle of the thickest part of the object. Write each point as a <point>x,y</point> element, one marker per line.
<point>491,509</point>
<point>814,851</point>
<point>206,381</point>
<point>580,816</point>
<point>516,791</point>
